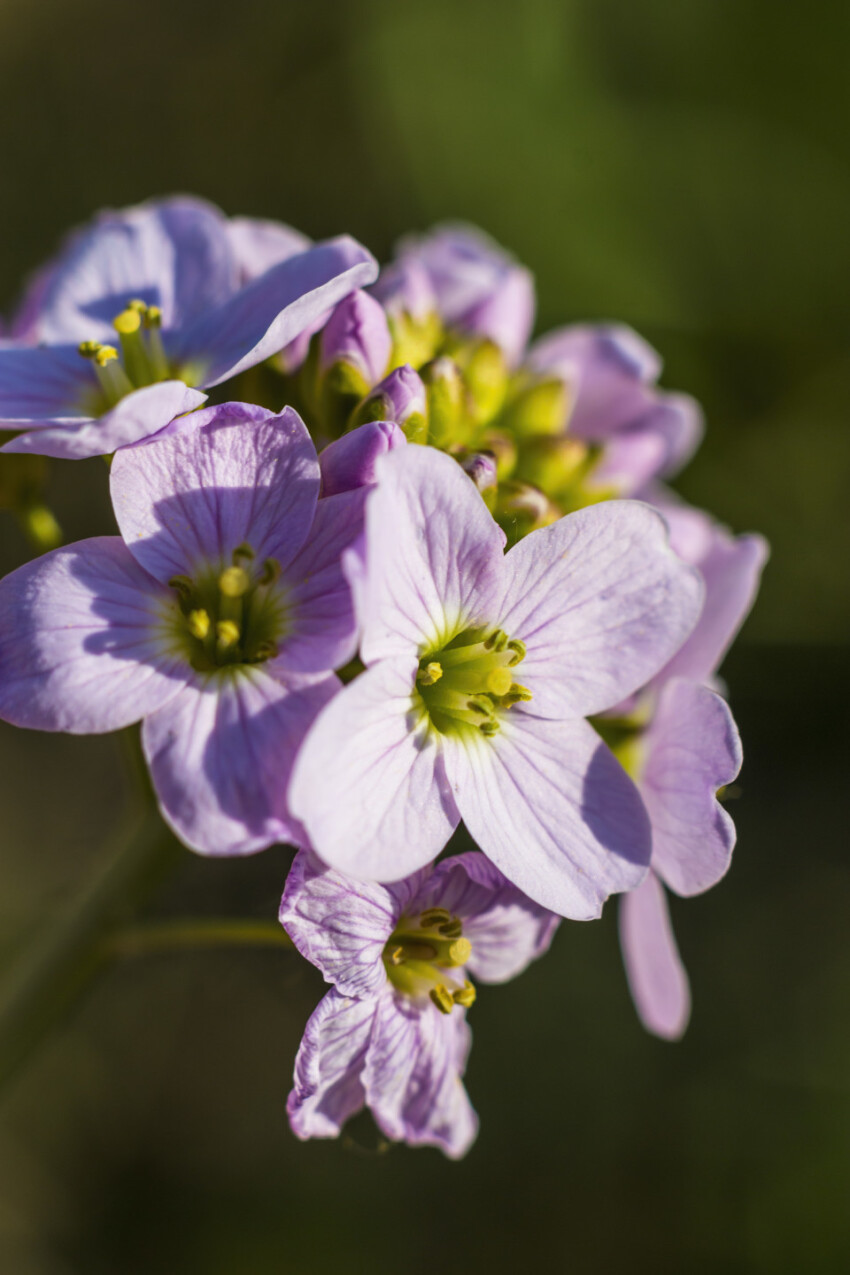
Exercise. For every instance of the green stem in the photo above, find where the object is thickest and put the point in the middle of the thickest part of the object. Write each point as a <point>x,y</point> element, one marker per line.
<point>192,933</point>
<point>68,953</point>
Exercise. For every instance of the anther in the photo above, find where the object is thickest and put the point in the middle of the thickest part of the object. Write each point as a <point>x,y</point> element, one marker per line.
<point>127,322</point>
<point>434,916</point>
<point>105,354</point>
<point>270,571</point>
<point>243,551</point>
<point>138,305</point>
<point>153,316</point>
<point>466,996</point>
<point>89,349</point>
<point>267,650</point>
<point>198,623</point>
<point>234,582</point>
<point>442,998</point>
<point>397,955</point>
<point>227,632</point>
<point>430,674</point>
<point>182,584</point>
<point>452,927</point>
<point>499,681</point>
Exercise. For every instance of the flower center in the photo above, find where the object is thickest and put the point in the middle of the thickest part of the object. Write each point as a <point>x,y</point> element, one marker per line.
<point>422,953</point>
<point>142,360</point>
<point>469,681</point>
<point>233,616</point>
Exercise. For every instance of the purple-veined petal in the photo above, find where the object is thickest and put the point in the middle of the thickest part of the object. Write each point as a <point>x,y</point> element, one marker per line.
<point>507,930</point>
<point>369,784</point>
<point>691,749</point>
<point>258,244</point>
<point>135,418</point>
<point>44,386</point>
<point>263,317</point>
<point>601,602</point>
<point>321,632</point>
<point>328,1086</point>
<point>341,925</point>
<point>553,809</point>
<point>235,474</point>
<point>657,978</point>
<point>221,753</point>
<point>629,460</point>
<point>413,1072</point>
<point>433,552</point>
<point>173,253</point>
<point>349,462</point>
<point>404,287</point>
<point>83,641</point>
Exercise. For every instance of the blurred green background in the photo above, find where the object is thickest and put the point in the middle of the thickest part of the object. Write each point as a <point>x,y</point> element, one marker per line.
<point>683,167</point>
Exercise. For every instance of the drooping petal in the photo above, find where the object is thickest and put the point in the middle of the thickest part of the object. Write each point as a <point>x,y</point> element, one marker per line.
<point>263,317</point>
<point>433,551</point>
<point>236,473</point>
<point>321,629</point>
<point>349,462</point>
<point>553,809</point>
<point>328,1086</point>
<point>259,244</point>
<point>173,253</point>
<point>83,646</point>
<point>221,753</point>
<point>341,925</point>
<point>413,1076</point>
<point>691,749</point>
<point>138,416</point>
<point>507,930</point>
<point>369,784</point>
<point>601,602</point>
<point>657,978</point>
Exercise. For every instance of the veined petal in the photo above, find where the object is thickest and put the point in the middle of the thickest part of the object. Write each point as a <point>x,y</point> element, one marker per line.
<point>507,930</point>
<point>263,317</point>
<point>601,602</point>
<point>138,416</point>
<point>43,386</point>
<point>413,1076</point>
<point>433,554</point>
<point>657,978</point>
<point>328,1069</point>
<point>236,473</point>
<point>369,784</point>
<point>258,244</point>
<point>221,753</point>
<point>82,647</point>
<point>341,925</point>
<point>322,633</point>
<point>691,749</point>
<point>553,809</point>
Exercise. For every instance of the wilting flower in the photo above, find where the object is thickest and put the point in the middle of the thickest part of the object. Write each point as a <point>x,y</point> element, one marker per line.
<point>143,310</point>
<point>215,617</point>
<point>438,727</point>
<point>391,1034</point>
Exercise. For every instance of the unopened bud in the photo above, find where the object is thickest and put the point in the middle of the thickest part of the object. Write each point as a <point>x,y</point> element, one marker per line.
<point>554,464</point>
<point>540,407</point>
<point>446,415</point>
<point>481,468</point>
<point>399,397</point>
<point>349,462</point>
<point>358,337</point>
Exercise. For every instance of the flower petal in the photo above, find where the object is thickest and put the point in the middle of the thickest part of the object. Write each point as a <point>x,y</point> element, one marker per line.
<point>553,809</point>
<point>369,784</point>
<point>82,647</point>
<point>263,317</point>
<point>349,462</point>
<point>44,385</point>
<point>691,749</point>
<point>341,925</point>
<point>259,244</point>
<point>657,978</point>
<point>601,602</point>
<point>221,753</point>
<point>236,473</point>
<point>433,553</point>
<point>413,1072</point>
<point>328,1069</point>
<point>507,930</point>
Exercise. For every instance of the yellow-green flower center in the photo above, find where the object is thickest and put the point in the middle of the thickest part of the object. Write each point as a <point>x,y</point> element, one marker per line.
<point>469,681</point>
<point>422,955</point>
<point>141,360</point>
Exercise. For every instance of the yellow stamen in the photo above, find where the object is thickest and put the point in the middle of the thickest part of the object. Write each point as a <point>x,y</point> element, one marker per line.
<point>139,306</point>
<point>227,632</point>
<point>127,322</point>
<point>442,998</point>
<point>105,354</point>
<point>153,317</point>
<point>460,951</point>
<point>434,916</point>
<point>199,624</point>
<point>234,582</point>
<point>499,681</point>
<point>431,674</point>
<point>466,996</point>
<point>89,349</point>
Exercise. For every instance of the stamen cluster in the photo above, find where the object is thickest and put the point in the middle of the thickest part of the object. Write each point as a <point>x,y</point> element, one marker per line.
<point>420,954</point>
<point>143,360</point>
<point>469,682</point>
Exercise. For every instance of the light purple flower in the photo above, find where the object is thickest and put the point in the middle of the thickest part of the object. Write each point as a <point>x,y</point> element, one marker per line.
<point>349,462</point>
<point>357,335</point>
<point>436,729</point>
<point>404,287</point>
<point>216,617</point>
<point>613,402</point>
<point>480,289</point>
<point>399,397</point>
<point>144,309</point>
<point>391,1034</point>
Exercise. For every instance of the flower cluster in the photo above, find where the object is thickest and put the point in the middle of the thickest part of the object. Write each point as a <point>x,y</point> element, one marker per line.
<point>408,570</point>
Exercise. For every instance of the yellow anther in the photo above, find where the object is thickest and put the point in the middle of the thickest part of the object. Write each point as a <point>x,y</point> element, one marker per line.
<point>234,582</point>
<point>452,928</point>
<point>466,996</point>
<point>442,998</point>
<point>430,674</point>
<point>270,571</point>
<point>460,951</point>
<point>243,551</point>
<point>89,349</point>
<point>127,322</point>
<point>199,624</point>
<point>397,955</point>
<point>434,916</point>
<point>105,354</point>
<point>227,632</point>
<point>138,305</point>
<point>182,584</point>
<point>267,650</point>
<point>153,317</point>
<point>499,681</point>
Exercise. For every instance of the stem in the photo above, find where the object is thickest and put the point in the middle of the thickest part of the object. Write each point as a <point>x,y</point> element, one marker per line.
<point>68,953</point>
<point>191,934</point>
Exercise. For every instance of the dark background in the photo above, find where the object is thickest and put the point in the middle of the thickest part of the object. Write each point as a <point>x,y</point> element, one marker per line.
<point>679,166</point>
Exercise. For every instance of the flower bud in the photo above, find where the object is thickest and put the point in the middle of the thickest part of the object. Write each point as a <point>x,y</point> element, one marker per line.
<point>521,508</point>
<point>541,406</point>
<point>557,465</point>
<point>349,462</point>
<point>356,340</point>
<point>481,467</point>
<point>400,397</point>
<point>404,289</point>
<point>446,405</point>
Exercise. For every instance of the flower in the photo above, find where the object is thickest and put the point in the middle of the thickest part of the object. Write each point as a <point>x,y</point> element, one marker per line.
<point>436,729</point>
<point>216,617</point>
<point>143,310</point>
<point>356,339</point>
<point>392,1032</point>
